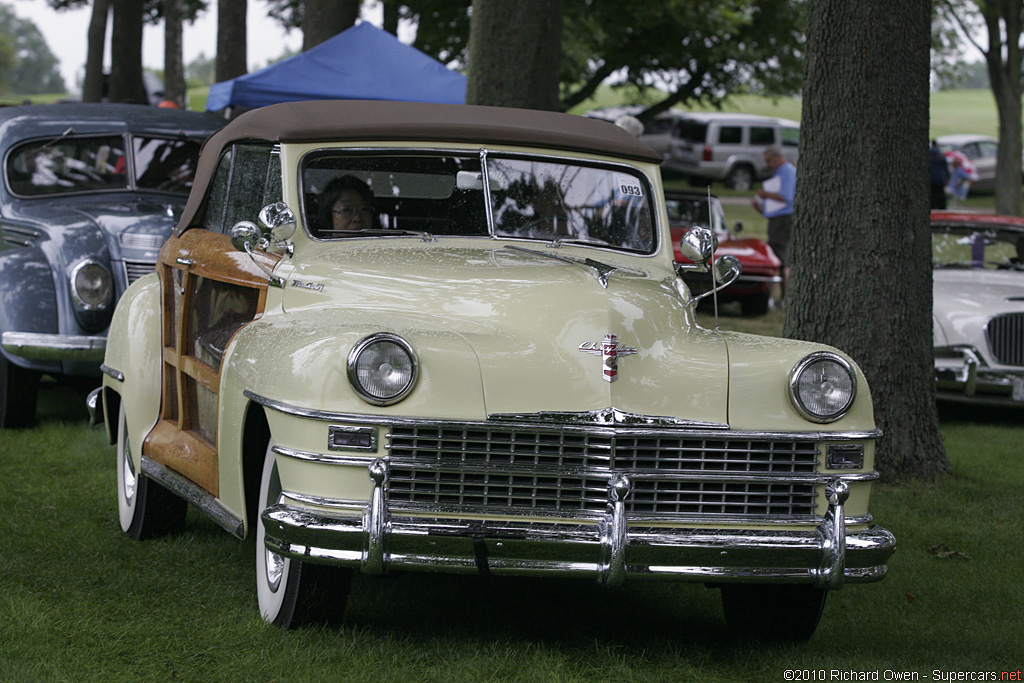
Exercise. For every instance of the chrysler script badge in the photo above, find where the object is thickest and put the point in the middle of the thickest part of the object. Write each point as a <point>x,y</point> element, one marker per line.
<point>609,350</point>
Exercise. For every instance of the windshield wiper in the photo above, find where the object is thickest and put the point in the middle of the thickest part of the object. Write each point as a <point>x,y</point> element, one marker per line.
<point>601,270</point>
<point>425,236</point>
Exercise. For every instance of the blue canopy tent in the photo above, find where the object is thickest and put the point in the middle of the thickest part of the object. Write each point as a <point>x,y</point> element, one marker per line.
<point>361,63</point>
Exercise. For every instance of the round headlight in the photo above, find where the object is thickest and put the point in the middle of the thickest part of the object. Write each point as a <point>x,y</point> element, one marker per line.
<point>822,387</point>
<point>91,286</point>
<point>382,369</point>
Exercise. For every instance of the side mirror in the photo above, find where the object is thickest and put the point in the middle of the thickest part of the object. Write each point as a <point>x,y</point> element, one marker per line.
<point>280,221</point>
<point>245,236</point>
<point>698,245</point>
<point>726,270</point>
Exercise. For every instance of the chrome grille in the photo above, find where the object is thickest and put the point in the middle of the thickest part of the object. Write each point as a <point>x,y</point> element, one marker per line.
<point>136,269</point>
<point>131,240</point>
<point>1006,338</point>
<point>502,469</point>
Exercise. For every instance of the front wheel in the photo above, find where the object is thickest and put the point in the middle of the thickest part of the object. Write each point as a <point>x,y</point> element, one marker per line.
<point>145,508</point>
<point>740,178</point>
<point>773,612</point>
<point>293,593</point>
<point>19,389</point>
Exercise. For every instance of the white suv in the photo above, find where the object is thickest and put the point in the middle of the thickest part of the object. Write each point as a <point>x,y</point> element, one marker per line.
<point>730,147</point>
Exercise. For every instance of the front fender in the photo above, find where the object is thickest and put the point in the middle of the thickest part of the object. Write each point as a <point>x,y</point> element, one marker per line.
<point>133,359</point>
<point>300,359</point>
<point>28,300</point>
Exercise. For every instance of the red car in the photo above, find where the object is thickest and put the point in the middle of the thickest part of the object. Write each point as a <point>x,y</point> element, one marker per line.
<point>760,266</point>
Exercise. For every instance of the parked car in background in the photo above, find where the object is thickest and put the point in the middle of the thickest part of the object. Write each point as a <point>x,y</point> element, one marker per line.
<point>760,267</point>
<point>981,150</point>
<point>722,146</point>
<point>90,193</point>
<point>979,307</point>
<point>394,336</point>
<point>658,132</point>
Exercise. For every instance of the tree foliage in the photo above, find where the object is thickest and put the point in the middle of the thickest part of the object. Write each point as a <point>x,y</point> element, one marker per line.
<point>31,68</point>
<point>675,51</point>
<point>861,273</point>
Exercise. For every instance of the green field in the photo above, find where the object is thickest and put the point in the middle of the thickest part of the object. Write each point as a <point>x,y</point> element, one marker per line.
<point>82,602</point>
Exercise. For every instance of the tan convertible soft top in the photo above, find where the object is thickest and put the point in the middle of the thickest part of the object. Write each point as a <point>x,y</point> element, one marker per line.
<point>354,120</point>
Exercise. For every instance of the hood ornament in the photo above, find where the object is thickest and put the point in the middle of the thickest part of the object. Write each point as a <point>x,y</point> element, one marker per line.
<point>609,349</point>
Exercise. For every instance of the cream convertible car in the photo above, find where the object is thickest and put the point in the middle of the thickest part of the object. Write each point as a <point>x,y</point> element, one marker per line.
<point>458,342</point>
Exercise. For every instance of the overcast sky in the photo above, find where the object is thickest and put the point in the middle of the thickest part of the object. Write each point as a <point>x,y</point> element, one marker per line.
<point>65,33</point>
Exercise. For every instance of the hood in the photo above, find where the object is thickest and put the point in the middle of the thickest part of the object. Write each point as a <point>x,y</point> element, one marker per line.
<point>535,325</point>
<point>121,224</point>
<point>965,299</point>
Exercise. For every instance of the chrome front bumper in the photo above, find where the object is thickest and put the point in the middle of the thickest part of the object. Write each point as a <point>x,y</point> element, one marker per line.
<point>35,346</point>
<point>608,549</point>
<point>961,374</point>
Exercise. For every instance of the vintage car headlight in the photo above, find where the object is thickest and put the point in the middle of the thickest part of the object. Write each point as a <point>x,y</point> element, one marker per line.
<point>382,369</point>
<point>822,386</point>
<point>91,286</point>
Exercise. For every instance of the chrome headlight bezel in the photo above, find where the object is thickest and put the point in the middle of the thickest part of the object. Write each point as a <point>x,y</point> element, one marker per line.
<point>383,398</point>
<point>88,301</point>
<point>833,362</point>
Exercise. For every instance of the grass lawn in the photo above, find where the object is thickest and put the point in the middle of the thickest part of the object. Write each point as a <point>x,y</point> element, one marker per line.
<point>82,602</point>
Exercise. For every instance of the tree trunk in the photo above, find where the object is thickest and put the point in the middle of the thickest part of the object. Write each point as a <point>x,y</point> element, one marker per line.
<point>323,19</point>
<point>1003,61</point>
<point>126,84</point>
<point>92,86</point>
<point>514,52</point>
<point>231,45</point>
<point>861,253</point>
<point>174,67</point>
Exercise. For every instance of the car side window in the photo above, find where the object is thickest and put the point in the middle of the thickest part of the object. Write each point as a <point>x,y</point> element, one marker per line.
<point>248,177</point>
<point>762,135</point>
<point>730,135</point>
<point>790,136</point>
<point>987,149</point>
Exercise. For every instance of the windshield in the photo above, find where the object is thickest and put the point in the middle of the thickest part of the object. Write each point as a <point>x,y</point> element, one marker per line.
<point>348,195</point>
<point>100,163</point>
<point>689,210</point>
<point>966,247</point>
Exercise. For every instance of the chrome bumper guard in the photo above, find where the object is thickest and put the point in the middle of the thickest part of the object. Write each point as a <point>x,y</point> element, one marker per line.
<point>68,347</point>
<point>961,373</point>
<point>609,550</point>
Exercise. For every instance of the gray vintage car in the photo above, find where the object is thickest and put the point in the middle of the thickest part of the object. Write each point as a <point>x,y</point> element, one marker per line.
<point>90,193</point>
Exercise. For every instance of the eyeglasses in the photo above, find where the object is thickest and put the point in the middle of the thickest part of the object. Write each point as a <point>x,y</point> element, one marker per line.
<point>352,211</point>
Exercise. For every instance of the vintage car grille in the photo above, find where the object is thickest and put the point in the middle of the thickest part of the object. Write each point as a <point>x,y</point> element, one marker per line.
<point>486,470</point>
<point>1006,338</point>
<point>136,269</point>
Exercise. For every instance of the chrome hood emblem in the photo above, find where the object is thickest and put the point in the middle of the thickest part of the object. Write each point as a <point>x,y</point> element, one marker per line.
<point>609,350</point>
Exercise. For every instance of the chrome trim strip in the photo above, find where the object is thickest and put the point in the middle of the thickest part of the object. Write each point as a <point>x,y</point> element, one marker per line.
<point>758,278</point>
<point>632,518</point>
<point>610,416</point>
<point>111,372</point>
<point>39,346</point>
<point>195,495</point>
<point>595,428</point>
<point>329,458</point>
